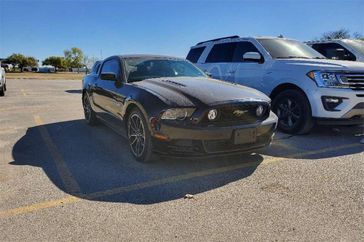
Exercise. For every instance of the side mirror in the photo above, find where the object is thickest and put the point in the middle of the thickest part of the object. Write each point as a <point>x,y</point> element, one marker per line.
<point>252,56</point>
<point>108,76</point>
<point>208,74</point>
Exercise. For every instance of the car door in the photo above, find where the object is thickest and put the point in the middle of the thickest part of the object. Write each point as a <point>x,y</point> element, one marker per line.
<point>247,72</point>
<point>108,94</point>
<point>218,61</point>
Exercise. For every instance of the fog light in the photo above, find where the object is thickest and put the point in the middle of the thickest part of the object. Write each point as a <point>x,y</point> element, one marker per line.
<point>212,114</point>
<point>331,103</point>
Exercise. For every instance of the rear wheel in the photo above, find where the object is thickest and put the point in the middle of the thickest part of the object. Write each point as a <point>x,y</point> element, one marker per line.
<point>293,111</point>
<point>139,137</point>
<point>90,115</point>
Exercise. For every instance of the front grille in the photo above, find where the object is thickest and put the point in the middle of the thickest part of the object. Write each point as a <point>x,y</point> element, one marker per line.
<point>237,113</point>
<point>354,80</point>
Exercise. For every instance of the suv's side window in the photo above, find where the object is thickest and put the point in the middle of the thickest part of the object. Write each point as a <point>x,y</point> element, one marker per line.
<point>221,53</point>
<point>242,48</point>
<point>334,51</point>
<point>112,66</point>
<point>195,54</point>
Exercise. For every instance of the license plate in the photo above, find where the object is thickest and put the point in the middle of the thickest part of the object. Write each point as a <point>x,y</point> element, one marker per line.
<point>245,136</point>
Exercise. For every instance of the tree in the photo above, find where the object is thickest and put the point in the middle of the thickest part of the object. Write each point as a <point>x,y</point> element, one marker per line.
<point>74,57</point>
<point>21,61</point>
<point>31,61</point>
<point>57,61</point>
<point>338,34</point>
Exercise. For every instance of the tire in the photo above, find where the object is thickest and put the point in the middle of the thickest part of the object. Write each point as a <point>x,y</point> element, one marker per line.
<point>139,138</point>
<point>294,112</point>
<point>2,91</point>
<point>90,115</point>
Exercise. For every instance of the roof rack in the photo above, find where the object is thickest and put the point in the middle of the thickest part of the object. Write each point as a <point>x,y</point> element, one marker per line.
<point>227,37</point>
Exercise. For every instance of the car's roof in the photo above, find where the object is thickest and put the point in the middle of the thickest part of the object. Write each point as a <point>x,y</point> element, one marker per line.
<point>236,38</point>
<point>149,56</point>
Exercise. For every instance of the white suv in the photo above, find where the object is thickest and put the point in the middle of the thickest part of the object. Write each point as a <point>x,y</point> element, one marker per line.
<point>304,86</point>
<point>340,49</point>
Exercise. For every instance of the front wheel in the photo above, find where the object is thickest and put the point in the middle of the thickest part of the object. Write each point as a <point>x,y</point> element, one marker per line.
<point>294,112</point>
<point>139,137</point>
<point>2,90</point>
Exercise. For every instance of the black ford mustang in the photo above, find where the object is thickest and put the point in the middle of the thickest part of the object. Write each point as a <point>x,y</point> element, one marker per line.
<point>167,105</point>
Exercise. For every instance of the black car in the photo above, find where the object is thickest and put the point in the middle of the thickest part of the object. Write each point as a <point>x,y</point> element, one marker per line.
<point>169,106</point>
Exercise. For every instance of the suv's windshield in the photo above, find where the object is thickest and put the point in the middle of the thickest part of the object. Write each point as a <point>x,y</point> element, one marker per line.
<point>283,48</point>
<point>138,69</point>
<point>357,45</point>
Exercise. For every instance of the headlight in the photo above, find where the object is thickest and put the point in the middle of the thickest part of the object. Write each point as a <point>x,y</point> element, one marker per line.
<point>177,113</point>
<point>326,79</point>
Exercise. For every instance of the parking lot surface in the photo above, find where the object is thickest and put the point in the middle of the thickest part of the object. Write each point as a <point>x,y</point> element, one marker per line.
<point>63,180</point>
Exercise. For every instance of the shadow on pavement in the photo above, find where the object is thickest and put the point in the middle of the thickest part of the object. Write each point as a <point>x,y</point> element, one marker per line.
<point>321,142</point>
<point>99,160</point>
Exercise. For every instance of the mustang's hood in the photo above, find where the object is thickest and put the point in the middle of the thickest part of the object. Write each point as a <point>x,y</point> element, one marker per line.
<point>323,64</point>
<point>191,91</point>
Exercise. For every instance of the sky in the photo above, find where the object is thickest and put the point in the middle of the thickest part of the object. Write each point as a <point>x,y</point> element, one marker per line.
<point>105,28</point>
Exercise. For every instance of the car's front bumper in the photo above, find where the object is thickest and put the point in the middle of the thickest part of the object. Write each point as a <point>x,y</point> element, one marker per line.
<point>213,140</point>
<point>351,108</point>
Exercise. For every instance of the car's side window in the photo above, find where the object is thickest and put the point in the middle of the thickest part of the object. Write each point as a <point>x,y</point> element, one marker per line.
<point>195,54</point>
<point>242,48</point>
<point>334,51</point>
<point>112,66</point>
<point>95,68</point>
<point>221,53</point>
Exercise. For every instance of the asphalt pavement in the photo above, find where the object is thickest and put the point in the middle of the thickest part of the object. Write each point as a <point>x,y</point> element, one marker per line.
<point>62,180</point>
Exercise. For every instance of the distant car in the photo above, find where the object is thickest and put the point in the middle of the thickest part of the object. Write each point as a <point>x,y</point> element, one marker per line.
<point>2,82</point>
<point>305,87</point>
<point>167,105</point>
<point>340,49</point>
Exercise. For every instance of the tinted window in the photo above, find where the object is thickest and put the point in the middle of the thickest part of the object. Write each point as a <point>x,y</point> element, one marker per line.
<point>195,54</point>
<point>138,69</point>
<point>221,53</point>
<point>241,49</point>
<point>334,51</point>
<point>96,67</point>
<point>112,66</point>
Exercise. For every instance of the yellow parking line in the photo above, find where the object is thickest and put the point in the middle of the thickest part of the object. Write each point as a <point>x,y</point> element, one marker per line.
<point>69,182</point>
<point>23,92</point>
<point>173,179</point>
<point>38,206</point>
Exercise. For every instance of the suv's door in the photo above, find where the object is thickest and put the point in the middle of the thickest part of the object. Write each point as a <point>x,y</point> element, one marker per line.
<point>218,61</point>
<point>247,72</point>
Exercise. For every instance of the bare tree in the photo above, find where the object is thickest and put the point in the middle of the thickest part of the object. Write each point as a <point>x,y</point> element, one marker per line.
<point>338,34</point>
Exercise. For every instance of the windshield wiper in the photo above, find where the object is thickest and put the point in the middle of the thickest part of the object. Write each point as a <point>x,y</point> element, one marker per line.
<point>292,57</point>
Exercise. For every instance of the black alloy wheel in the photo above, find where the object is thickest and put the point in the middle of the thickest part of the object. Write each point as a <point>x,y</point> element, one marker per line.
<point>293,111</point>
<point>139,136</point>
<point>90,115</point>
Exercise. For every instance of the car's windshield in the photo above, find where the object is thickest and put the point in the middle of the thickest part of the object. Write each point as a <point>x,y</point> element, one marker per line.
<point>138,69</point>
<point>283,48</point>
<point>357,45</point>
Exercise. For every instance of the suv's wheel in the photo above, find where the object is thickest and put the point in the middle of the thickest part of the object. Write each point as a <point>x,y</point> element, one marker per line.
<point>90,115</point>
<point>293,111</point>
<point>139,137</point>
<point>2,90</point>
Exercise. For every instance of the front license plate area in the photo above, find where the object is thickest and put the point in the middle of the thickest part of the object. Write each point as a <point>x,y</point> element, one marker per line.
<point>245,136</point>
